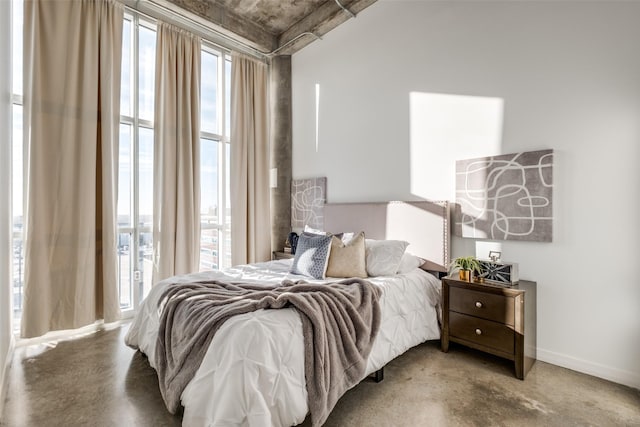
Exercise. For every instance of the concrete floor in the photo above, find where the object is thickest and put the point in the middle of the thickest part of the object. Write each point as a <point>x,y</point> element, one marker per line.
<point>98,381</point>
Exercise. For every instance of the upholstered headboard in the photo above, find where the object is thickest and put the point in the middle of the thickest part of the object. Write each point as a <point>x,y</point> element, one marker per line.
<point>424,224</point>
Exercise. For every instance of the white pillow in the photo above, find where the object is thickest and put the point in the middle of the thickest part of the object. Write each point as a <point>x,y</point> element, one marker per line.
<point>384,256</point>
<point>345,237</point>
<point>312,230</point>
<point>409,262</point>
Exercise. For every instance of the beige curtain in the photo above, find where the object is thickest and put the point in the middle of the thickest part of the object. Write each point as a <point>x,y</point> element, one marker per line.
<point>250,197</point>
<point>72,55</point>
<point>176,201</point>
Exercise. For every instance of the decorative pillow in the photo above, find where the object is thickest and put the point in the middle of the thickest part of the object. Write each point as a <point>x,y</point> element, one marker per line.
<point>384,256</point>
<point>409,262</point>
<point>347,260</point>
<point>312,255</point>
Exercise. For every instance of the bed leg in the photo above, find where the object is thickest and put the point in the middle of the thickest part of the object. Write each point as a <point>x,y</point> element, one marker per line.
<point>378,375</point>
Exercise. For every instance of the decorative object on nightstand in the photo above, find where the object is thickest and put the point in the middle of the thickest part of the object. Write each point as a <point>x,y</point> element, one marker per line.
<point>491,318</point>
<point>496,271</point>
<point>292,239</point>
<point>466,265</point>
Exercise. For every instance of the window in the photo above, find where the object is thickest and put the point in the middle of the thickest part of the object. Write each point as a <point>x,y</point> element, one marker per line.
<point>135,173</point>
<point>135,167</point>
<point>135,187</point>
<point>17,168</point>
<point>215,217</point>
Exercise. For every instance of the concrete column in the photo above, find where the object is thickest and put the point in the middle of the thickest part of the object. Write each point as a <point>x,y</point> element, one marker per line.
<point>281,142</point>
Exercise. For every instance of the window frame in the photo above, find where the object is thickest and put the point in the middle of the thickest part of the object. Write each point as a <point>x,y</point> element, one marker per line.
<point>223,225</point>
<point>17,236</point>
<point>135,230</point>
<point>17,100</point>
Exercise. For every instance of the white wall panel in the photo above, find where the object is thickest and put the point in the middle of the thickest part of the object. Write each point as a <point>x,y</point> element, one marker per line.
<point>408,87</point>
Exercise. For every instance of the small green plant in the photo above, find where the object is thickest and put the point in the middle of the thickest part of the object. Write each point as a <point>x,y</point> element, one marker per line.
<point>466,263</point>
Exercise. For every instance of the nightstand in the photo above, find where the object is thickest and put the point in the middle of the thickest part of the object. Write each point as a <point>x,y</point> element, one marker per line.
<point>281,255</point>
<point>491,318</point>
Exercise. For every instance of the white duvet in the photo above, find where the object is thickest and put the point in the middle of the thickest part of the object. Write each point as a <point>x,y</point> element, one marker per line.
<point>253,372</point>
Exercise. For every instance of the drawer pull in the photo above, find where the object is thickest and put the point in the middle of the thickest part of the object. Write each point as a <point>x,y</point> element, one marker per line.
<point>479,304</point>
<point>478,332</point>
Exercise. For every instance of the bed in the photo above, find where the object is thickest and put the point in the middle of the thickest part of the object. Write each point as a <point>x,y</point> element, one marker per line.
<point>253,370</point>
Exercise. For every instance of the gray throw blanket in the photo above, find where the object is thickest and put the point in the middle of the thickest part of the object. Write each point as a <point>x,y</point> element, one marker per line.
<point>339,323</point>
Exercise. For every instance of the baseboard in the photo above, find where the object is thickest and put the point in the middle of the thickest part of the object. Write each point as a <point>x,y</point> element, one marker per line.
<point>4,374</point>
<point>615,375</point>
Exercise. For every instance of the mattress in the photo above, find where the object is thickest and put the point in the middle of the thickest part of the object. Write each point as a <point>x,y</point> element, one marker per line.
<point>253,371</point>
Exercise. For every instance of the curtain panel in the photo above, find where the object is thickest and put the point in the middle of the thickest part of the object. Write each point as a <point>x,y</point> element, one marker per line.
<point>250,192</point>
<point>72,57</point>
<point>176,201</point>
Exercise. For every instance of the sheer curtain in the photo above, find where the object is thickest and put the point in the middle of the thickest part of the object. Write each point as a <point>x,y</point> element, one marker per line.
<point>250,197</point>
<point>176,202</point>
<point>72,55</point>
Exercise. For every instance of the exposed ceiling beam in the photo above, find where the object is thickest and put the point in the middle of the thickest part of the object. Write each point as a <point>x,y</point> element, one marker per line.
<point>324,19</point>
<point>229,22</point>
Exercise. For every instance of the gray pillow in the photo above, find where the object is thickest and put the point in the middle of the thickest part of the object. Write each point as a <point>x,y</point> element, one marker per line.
<point>312,255</point>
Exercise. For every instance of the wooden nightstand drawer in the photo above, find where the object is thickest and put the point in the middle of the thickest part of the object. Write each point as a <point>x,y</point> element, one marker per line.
<point>492,318</point>
<point>494,307</point>
<point>483,332</point>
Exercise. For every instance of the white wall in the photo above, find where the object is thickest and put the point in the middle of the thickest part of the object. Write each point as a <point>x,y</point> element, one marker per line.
<point>528,76</point>
<point>5,193</point>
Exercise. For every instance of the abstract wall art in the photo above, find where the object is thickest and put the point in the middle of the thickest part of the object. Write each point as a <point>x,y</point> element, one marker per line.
<point>308,197</point>
<point>506,197</point>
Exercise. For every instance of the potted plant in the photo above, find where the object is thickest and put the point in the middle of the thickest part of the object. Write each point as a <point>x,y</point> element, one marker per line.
<point>466,265</point>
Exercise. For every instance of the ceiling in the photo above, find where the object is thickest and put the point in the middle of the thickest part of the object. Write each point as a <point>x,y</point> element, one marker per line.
<point>273,15</point>
<point>274,25</point>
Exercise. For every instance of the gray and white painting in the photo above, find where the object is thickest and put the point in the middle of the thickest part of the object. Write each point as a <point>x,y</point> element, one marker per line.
<point>506,197</point>
<point>308,197</point>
